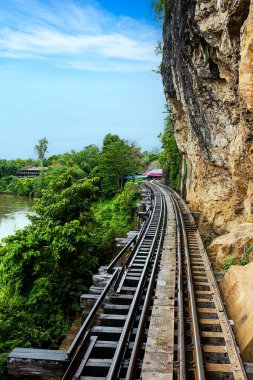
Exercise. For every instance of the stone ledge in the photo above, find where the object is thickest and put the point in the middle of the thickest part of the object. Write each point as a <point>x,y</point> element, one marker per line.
<point>37,362</point>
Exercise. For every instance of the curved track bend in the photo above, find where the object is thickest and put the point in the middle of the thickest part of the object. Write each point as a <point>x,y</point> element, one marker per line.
<point>111,342</point>
<point>204,345</point>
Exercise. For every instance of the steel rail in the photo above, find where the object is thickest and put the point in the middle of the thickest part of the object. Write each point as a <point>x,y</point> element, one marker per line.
<point>194,319</point>
<point>113,371</point>
<point>180,298</point>
<point>88,321</point>
<point>130,375</point>
<point>134,239</point>
<point>222,357</point>
<point>134,253</point>
<point>82,342</point>
<point>90,343</point>
<point>232,339</point>
<point>200,373</point>
<point>120,254</point>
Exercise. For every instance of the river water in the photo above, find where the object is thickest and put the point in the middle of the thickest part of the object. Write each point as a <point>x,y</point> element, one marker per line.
<point>13,213</point>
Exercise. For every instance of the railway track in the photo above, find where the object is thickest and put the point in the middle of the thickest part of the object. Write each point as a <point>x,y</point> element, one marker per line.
<point>111,342</point>
<point>204,346</point>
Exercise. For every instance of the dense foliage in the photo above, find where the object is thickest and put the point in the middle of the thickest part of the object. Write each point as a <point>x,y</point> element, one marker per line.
<point>116,159</point>
<point>84,163</point>
<point>47,265</point>
<point>170,158</point>
<point>114,217</point>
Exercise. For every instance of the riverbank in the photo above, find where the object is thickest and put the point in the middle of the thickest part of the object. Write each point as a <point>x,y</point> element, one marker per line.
<point>14,210</point>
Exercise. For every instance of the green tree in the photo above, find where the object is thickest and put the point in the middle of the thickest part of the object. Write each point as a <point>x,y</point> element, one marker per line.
<point>136,156</point>
<point>41,149</point>
<point>88,158</point>
<point>109,139</point>
<point>7,168</point>
<point>118,159</point>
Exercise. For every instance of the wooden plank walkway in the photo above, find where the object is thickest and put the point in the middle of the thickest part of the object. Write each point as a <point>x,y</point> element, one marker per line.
<point>159,353</point>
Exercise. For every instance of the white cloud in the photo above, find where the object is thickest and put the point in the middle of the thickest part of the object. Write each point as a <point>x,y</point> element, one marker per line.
<point>109,65</point>
<point>85,38</point>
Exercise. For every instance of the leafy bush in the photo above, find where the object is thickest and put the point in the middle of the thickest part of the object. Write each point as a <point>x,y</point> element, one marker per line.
<point>207,240</point>
<point>115,217</point>
<point>47,265</point>
<point>249,251</point>
<point>243,260</point>
<point>228,263</point>
<point>34,186</point>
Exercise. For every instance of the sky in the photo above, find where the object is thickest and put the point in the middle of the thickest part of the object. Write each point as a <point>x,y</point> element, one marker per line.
<point>74,70</point>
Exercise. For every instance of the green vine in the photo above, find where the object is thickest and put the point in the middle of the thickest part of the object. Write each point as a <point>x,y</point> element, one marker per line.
<point>170,157</point>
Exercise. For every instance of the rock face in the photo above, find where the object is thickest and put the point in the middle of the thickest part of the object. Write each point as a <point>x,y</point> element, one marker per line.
<point>233,244</point>
<point>237,290</point>
<point>207,71</point>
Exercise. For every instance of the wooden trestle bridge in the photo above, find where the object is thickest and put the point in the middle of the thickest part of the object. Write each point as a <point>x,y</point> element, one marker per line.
<point>160,316</point>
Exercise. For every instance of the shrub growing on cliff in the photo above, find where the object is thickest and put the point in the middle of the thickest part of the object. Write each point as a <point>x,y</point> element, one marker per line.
<point>159,7</point>
<point>243,260</point>
<point>170,158</point>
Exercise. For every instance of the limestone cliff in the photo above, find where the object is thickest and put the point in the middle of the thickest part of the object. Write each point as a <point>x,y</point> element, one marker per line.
<point>207,71</point>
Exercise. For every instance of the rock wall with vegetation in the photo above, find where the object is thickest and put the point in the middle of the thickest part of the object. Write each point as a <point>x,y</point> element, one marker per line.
<point>170,158</point>
<point>208,83</point>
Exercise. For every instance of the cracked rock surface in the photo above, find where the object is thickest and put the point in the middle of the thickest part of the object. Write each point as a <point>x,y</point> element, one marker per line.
<point>207,71</point>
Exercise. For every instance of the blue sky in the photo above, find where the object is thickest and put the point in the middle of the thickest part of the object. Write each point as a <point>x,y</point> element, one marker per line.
<point>73,71</point>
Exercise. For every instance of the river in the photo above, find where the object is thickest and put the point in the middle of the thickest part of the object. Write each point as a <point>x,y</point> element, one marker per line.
<point>13,213</point>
